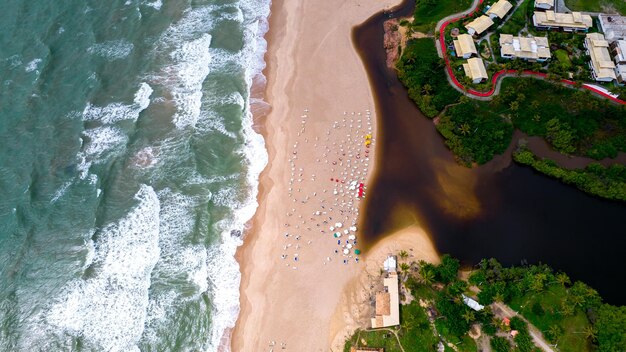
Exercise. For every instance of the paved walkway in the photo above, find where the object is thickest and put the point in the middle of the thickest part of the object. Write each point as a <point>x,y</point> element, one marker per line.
<point>495,83</point>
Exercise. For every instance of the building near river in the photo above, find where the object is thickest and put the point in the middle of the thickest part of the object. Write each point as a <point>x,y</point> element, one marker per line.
<point>569,22</point>
<point>388,301</point>
<point>499,9</point>
<point>464,46</point>
<point>527,48</point>
<point>479,25</point>
<point>475,69</point>
<point>544,4</point>
<point>601,65</point>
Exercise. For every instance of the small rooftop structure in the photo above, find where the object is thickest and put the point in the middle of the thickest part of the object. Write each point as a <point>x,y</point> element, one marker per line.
<point>464,46</point>
<point>390,264</point>
<point>475,69</point>
<point>527,48</point>
<point>613,26</point>
<point>479,25</point>
<point>472,304</point>
<point>499,9</point>
<point>602,68</point>
<point>387,304</point>
<point>569,22</point>
<point>544,4</point>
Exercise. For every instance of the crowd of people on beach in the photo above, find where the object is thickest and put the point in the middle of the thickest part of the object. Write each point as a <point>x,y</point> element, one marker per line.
<point>327,178</point>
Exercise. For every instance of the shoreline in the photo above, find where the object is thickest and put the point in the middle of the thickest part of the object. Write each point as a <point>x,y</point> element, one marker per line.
<point>301,61</point>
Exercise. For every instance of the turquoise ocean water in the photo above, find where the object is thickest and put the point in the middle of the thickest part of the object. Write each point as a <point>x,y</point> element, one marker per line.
<point>128,166</point>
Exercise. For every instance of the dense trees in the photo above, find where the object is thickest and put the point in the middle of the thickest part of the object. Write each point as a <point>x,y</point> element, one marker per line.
<point>607,182</point>
<point>422,72</point>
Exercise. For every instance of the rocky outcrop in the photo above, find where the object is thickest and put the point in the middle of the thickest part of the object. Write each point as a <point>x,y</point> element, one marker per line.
<point>391,41</point>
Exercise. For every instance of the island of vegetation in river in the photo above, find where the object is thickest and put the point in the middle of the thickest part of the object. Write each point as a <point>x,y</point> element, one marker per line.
<point>525,308</point>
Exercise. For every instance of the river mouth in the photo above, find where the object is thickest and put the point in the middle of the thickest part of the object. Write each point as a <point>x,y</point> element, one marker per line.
<point>500,209</point>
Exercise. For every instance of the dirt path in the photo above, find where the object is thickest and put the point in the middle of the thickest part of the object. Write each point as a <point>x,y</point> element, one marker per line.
<point>503,311</point>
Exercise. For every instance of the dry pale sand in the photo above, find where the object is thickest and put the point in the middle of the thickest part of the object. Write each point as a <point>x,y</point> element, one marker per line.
<point>297,284</point>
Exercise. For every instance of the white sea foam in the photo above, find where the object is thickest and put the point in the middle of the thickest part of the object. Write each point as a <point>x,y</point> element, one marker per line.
<point>117,111</point>
<point>112,50</point>
<point>101,141</point>
<point>193,60</point>
<point>108,309</point>
<point>155,4</point>
<point>223,268</point>
<point>33,65</point>
<point>60,192</point>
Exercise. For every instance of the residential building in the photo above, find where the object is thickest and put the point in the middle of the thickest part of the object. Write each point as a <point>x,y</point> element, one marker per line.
<point>618,50</point>
<point>479,25</point>
<point>475,69</point>
<point>464,46</point>
<point>613,26</point>
<point>499,9</point>
<point>569,22</point>
<point>544,4</point>
<point>472,303</point>
<point>602,68</point>
<point>527,48</point>
<point>387,312</point>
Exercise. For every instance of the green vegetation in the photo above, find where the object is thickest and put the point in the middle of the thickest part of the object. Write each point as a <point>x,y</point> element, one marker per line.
<point>474,133</point>
<point>607,182</point>
<point>518,19</point>
<point>596,5</point>
<point>572,121</point>
<point>422,72</point>
<point>563,58</point>
<point>428,12</point>
<point>572,316</point>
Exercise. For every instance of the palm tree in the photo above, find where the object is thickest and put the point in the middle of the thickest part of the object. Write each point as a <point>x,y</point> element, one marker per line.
<point>563,279</point>
<point>554,331</point>
<point>427,276</point>
<point>590,333</point>
<point>403,254</point>
<point>468,316</point>
<point>426,89</point>
<point>498,297</point>
<point>404,267</point>
<point>465,128</point>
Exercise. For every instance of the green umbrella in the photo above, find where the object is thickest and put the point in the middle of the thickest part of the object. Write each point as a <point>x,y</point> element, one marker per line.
<point>357,251</point>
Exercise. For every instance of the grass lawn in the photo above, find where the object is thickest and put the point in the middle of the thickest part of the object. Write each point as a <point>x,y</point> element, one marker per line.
<point>517,21</point>
<point>550,300</point>
<point>378,339</point>
<point>428,12</point>
<point>415,333</point>
<point>596,5</point>
<point>563,58</point>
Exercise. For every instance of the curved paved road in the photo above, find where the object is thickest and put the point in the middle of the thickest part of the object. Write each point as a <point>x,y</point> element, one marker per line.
<point>441,46</point>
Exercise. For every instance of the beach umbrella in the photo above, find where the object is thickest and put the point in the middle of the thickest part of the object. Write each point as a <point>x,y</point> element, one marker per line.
<point>336,234</point>
<point>353,228</point>
<point>338,224</point>
<point>331,228</point>
<point>349,246</point>
<point>346,251</point>
<point>351,237</point>
<point>346,232</point>
<point>357,251</point>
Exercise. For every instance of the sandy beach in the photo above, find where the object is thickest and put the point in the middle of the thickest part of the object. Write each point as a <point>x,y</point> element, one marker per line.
<point>304,281</point>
